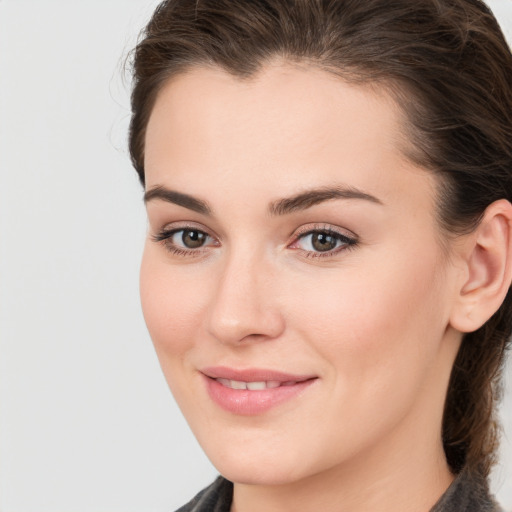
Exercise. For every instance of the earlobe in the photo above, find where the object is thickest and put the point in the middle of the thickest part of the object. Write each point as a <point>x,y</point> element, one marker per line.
<point>488,276</point>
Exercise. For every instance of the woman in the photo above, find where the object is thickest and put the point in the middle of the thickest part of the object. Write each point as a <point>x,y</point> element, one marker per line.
<point>327,272</point>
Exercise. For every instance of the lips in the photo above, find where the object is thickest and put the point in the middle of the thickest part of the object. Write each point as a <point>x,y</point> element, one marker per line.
<point>252,391</point>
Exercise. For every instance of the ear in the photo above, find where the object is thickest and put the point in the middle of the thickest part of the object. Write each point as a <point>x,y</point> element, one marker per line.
<point>487,276</point>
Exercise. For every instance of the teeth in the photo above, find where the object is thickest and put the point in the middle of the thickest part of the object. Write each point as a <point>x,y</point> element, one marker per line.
<point>253,386</point>
<point>238,384</point>
<point>256,385</point>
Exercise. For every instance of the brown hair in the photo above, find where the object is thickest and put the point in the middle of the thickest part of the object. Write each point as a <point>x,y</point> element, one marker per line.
<point>448,67</point>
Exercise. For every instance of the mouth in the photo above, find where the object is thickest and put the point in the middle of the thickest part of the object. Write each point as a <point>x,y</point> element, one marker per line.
<point>253,391</point>
<point>255,385</point>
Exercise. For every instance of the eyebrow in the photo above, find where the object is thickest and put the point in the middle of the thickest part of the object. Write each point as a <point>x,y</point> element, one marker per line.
<point>298,202</point>
<point>309,198</point>
<point>185,200</point>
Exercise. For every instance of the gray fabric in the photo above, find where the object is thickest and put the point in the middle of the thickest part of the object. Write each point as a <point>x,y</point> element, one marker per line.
<point>215,498</point>
<point>466,494</point>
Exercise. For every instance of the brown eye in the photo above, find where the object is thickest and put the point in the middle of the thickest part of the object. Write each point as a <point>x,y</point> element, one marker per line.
<point>192,238</point>
<point>323,242</point>
<point>185,241</point>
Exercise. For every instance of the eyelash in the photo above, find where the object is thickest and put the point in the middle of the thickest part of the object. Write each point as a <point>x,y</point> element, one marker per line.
<point>347,242</point>
<point>165,236</point>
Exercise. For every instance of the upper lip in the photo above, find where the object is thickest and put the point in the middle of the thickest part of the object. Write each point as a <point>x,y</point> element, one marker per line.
<point>253,374</point>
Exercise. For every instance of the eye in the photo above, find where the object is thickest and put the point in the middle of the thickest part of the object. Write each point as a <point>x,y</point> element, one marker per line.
<point>189,238</point>
<point>184,241</point>
<point>322,242</point>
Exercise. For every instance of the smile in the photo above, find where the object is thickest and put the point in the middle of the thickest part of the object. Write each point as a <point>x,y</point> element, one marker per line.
<point>253,392</point>
<point>254,386</point>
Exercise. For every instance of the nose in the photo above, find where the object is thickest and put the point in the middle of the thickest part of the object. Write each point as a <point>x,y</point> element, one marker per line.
<point>244,305</point>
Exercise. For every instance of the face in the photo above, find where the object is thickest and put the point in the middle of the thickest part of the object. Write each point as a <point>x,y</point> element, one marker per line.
<point>293,282</point>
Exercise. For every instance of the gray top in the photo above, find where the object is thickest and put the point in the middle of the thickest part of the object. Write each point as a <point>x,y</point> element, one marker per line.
<point>467,493</point>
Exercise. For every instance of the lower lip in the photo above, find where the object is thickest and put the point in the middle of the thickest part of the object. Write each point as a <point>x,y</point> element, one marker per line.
<point>249,403</point>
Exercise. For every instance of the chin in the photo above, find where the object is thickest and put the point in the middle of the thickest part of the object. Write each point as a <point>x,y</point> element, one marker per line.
<point>259,466</point>
<point>257,474</point>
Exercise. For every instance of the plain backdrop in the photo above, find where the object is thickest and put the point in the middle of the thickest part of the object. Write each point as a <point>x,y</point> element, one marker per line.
<point>86,421</point>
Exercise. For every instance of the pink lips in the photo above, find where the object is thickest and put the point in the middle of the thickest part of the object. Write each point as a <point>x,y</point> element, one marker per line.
<point>252,391</point>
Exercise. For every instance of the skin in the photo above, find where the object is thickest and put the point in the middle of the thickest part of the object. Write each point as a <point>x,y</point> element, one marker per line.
<point>372,320</point>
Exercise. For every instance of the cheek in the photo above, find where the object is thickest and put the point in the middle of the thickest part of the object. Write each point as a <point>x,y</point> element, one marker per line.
<point>375,325</point>
<point>378,333</point>
<point>170,302</point>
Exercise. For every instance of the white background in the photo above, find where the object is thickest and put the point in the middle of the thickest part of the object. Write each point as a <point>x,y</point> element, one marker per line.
<point>86,420</point>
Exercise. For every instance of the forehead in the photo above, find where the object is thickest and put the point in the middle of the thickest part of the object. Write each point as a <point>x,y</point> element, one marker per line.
<point>300,102</point>
<point>293,125</point>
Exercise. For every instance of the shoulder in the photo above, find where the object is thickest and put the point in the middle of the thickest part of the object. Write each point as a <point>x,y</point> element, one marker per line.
<point>216,497</point>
